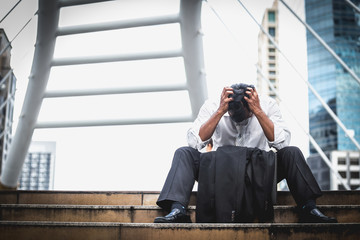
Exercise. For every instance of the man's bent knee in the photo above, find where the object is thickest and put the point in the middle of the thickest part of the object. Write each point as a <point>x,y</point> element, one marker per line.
<point>185,149</point>
<point>186,154</point>
<point>291,149</point>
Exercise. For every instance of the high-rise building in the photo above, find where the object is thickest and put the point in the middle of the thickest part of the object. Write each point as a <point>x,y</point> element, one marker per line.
<point>7,92</point>
<point>267,53</point>
<point>347,163</point>
<point>38,169</point>
<point>268,59</point>
<point>338,24</point>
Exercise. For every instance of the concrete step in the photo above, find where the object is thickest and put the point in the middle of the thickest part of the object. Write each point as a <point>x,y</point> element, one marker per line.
<point>146,198</point>
<point>129,231</point>
<point>80,197</point>
<point>144,214</point>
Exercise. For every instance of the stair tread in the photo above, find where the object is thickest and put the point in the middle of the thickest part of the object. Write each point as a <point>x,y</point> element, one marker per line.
<point>145,197</point>
<point>142,207</point>
<point>145,214</point>
<point>114,230</point>
<point>174,225</point>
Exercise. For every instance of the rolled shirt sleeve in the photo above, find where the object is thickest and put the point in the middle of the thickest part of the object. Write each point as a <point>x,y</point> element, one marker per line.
<point>193,137</point>
<point>281,132</point>
<point>226,132</point>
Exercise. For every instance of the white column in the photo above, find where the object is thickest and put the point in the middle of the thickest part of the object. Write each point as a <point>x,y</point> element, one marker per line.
<point>192,45</point>
<point>48,17</point>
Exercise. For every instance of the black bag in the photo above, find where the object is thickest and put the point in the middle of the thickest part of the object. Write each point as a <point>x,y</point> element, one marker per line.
<point>236,184</point>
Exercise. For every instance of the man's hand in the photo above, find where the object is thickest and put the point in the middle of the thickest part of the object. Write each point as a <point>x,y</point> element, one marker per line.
<point>254,104</point>
<point>253,101</point>
<point>224,100</point>
<point>208,128</point>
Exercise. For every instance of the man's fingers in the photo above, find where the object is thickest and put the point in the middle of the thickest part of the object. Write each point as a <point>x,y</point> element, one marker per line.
<point>226,92</point>
<point>225,89</point>
<point>228,100</point>
<point>251,92</point>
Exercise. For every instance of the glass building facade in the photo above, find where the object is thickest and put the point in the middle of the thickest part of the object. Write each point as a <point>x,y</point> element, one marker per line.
<point>338,24</point>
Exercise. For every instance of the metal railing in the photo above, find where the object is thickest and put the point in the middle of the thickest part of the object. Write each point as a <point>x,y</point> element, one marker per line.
<point>8,103</point>
<point>312,89</point>
<point>328,109</point>
<point>311,139</point>
<point>189,19</point>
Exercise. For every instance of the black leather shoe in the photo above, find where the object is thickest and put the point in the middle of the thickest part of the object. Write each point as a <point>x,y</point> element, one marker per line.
<point>175,216</point>
<point>315,216</point>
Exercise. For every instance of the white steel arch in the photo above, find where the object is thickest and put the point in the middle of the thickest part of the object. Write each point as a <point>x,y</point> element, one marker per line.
<point>189,18</point>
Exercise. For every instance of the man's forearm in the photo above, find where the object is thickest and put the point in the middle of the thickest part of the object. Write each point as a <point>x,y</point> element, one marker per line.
<point>207,129</point>
<point>266,124</point>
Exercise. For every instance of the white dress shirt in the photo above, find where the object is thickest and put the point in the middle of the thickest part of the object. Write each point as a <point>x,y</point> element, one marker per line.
<point>248,133</point>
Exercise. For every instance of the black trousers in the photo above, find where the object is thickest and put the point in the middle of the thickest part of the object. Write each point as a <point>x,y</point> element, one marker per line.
<point>184,172</point>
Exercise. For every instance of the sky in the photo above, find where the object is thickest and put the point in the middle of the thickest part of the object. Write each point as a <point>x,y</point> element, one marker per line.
<point>138,157</point>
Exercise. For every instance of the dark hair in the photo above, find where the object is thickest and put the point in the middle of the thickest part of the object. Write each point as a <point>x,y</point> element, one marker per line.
<point>238,96</point>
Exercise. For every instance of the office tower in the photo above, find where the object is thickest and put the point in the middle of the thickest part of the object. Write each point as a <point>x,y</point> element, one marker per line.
<point>38,169</point>
<point>338,24</point>
<point>7,92</point>
<point>267,53</point>
<point>268,59</point>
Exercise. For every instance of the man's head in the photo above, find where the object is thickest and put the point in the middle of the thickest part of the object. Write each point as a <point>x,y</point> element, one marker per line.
<point>239,108</point>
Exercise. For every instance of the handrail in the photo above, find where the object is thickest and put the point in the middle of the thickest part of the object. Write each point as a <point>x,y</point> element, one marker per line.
<point>116,58</point>
<point>324,44</point>
<point>70,3</point>
<point>8,13</point>
<point>356,8</point>
<point>9,43</point>
<point>109,91</point>
<point>312,140</point>
<point>48,30</point>
<point>316,94</point>
<point>309,85</point>
<point>113,122</point>
<point>97,27</point>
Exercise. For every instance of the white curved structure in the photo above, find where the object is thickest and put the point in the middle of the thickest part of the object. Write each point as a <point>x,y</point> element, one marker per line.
<point>189,18</point>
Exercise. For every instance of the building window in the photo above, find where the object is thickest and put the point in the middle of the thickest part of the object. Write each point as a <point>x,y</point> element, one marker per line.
<point>272,73</point>
<point>38,169</point>
<point>272,31</point>
<point>271,16</point>
<point>271,57</point>
<point>271,49</point>
<point>272,95</point>
<point>272,65</point>
<point>36,172</point>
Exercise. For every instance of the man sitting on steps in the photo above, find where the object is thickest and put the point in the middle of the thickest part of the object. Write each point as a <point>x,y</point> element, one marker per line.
<point>242,118</point>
